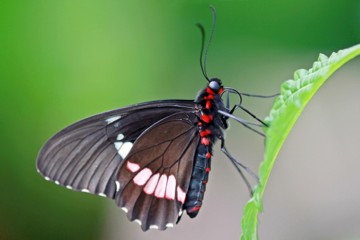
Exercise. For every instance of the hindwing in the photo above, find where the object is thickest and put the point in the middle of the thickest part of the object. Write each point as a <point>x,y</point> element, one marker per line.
<point>155,176</point>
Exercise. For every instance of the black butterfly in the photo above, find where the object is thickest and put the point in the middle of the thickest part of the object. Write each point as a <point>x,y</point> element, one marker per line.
<point>152,158</point>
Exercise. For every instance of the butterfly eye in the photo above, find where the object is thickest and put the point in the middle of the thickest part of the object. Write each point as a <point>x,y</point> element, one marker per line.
<point>214,85</point>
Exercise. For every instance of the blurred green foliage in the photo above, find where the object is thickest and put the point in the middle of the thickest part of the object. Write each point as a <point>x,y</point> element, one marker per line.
<point>61,61</point>
<point>295,95</point>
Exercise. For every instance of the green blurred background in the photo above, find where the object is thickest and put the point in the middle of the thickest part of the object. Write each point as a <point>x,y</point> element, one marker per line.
<point>61,61</point>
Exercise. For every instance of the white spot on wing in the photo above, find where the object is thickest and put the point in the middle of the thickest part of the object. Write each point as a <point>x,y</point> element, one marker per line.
<point>154,227</point>
<point>57,182</point>
<point>117,183</point>
<point>47,178</point>
<point>68,187</point>
<point>125,149</point>
<point>170,225</point>
<point>112,119</point>
<point>180,213</point>
<point>120,137</point>
<point>124,209</point>
<point>118,145</point>
<point>85,190</point>
<point>138,221</point>
<point>102,194</point>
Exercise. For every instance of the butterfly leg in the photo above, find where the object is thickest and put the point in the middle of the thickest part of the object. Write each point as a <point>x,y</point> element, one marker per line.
<point>248,112</point>
<point>236,106</point>
<point>260,96</point>
<point>242,121</point>
<point>238,165</point>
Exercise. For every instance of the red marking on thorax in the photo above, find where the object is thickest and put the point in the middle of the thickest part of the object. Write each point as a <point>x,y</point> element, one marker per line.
<point>221,90</point>
<point>209,97</point>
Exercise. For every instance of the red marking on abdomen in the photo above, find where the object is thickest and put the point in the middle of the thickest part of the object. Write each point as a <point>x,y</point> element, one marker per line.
<point>205,132</point>
<point>208,155</point>
<point>195,209</point>
<point>207,169</point>
<point>205,141</point>
<point>208,104</point>
<point>206,118</point>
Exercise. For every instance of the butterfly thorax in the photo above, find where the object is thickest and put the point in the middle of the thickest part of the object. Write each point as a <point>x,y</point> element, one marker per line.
<point>210,125</point>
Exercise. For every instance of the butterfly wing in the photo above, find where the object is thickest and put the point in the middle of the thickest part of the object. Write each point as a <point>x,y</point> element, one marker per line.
<point>87,155</point>
<point>156,174</point>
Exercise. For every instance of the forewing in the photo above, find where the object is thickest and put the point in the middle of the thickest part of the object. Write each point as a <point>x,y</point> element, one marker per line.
<point>156,174</point>
<point>86,156</point>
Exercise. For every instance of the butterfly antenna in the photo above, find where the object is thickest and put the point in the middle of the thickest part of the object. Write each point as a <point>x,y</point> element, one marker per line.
<point>211,35</point>
<point>203,54</point>
<point>201,27</point>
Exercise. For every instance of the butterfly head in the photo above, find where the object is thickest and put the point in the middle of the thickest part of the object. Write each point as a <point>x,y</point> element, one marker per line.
<point>215,85</point>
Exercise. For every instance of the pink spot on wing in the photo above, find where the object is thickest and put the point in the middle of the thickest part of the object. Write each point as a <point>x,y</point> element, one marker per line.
<point>133,167</point>
<point>170,188</point>
<point>151,184</point>
<point>181,195</point>
<point>161,187</point>
<point>142,177</point>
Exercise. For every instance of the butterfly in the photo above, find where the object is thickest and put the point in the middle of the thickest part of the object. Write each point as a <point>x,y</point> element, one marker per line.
<point>153,159</point>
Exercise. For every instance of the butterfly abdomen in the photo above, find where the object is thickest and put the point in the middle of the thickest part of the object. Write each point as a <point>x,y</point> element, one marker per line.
<point>199,178</point>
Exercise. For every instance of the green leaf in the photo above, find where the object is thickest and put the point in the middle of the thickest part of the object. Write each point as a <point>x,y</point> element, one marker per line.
<point>294,96</point>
